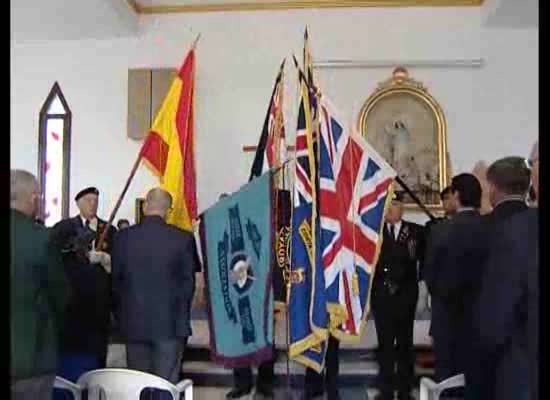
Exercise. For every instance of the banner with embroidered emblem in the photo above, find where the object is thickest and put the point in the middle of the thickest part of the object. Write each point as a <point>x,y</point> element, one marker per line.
<point>237,239</point>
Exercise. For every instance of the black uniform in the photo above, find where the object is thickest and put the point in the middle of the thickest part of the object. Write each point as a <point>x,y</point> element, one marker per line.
<point>88,315</point>
<point>316,384</point>
<point>394,297</point>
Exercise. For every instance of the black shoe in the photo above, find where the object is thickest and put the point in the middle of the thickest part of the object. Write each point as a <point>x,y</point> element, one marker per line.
<point>263,393</point>
<point>311,395</point>
<point>238,393</point>
<point>334,395</point>
<point>383,396</point>
<point>405,396</point>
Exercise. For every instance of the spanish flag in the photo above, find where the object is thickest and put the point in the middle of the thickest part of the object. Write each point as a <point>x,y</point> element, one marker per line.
<point>168,149</point>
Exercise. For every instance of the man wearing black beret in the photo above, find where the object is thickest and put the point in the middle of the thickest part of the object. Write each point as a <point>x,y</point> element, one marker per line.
<point>394,298</point>
<point>87,326</point>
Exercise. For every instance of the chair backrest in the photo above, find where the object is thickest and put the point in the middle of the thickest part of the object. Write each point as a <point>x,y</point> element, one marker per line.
<point>429,390</point>
<point>64,384</point>
<point>122,384</point>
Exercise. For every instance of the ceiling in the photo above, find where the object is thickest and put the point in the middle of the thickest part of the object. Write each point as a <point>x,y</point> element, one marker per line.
<point>514,14</point>
<point>99,19</point>
<point>71,19</point>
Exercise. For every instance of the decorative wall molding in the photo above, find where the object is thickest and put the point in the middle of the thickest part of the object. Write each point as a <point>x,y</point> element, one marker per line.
<point>213,6</point>
<point>359,64</point>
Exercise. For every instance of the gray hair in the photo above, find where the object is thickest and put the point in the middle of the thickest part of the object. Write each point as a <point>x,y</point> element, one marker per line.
<point>159,200</point>
<point>22,184</point>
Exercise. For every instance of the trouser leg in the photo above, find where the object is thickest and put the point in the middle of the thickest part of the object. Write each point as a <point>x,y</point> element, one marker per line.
<point>139,356</point>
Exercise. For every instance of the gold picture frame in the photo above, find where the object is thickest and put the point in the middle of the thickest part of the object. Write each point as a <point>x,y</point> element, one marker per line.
<point>139,209</point>
<point>407,126</point>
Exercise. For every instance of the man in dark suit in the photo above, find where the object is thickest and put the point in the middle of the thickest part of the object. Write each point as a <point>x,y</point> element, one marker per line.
<point>452,248</point>
<point>508,310</point>
<point>87,324</point>
<point>153,267</point>
<point>38,294</point>
<point>507,316</point>
<point>394,297</point>
<point>316,384</point>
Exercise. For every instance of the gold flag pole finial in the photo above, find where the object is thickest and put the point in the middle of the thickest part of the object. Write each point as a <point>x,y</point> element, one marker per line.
<point>194,46</point>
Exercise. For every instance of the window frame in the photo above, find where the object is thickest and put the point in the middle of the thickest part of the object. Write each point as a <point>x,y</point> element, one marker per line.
<point>44,117</point>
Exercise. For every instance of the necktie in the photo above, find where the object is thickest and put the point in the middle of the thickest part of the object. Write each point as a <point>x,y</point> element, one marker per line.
<point>392,231</point>
<point>87,223</point>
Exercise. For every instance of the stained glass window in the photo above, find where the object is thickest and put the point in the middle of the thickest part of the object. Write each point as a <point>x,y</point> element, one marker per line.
<point>54,157</point>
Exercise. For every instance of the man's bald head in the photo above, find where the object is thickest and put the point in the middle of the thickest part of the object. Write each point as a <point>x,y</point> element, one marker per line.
<point>157,202</point>
<point>24,192</point>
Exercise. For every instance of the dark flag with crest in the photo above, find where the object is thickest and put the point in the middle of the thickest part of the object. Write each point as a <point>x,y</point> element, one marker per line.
<point>271,150</point>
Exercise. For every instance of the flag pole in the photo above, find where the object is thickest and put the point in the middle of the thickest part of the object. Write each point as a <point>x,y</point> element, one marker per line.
<point>119,202</point>
<point>193,47</point>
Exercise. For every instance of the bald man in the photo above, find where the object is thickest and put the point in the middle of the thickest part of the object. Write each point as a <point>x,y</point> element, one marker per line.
<point>152,274</point>
<point>38,295</point>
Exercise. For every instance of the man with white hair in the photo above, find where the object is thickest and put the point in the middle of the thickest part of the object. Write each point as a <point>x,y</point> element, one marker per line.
<point>87,324</point>
<point>153,267</point>
<point>37,296</point>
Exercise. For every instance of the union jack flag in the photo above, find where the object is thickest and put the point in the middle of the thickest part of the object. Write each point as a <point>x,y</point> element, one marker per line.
<point>355,182</point>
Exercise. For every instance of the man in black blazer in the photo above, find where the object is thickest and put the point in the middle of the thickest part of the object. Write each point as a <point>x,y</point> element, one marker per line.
<point>87,320</point>
<point>509,180</point>
<point>153,266</point>
<point>453,248</point>
<point>508,310</point>
<point>394,298</point>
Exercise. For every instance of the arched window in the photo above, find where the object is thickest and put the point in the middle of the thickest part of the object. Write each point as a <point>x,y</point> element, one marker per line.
<point>54,157</point>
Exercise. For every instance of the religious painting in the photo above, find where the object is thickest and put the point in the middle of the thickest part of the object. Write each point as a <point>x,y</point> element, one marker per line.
<point>406,125</point>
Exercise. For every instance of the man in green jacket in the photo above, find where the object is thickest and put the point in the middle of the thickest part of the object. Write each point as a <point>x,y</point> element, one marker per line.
<point>37,296</point>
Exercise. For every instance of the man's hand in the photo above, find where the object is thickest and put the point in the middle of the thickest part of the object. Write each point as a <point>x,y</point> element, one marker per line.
<point>100,257</point>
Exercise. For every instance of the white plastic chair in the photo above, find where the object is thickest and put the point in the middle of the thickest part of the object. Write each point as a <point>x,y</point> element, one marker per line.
<point>126,384</point>
<point>61,383</point>
<point>429,390</point>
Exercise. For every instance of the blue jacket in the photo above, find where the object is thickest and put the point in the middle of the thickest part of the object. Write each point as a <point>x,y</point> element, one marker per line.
<point>152,275</point>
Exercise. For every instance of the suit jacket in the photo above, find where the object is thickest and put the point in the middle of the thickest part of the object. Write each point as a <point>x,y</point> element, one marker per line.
<point>38,295</point>
<point>152,271</point>
<point>87,321</point>
<point>508,308</point>
<point>399,259</point>
<point>453,260</point>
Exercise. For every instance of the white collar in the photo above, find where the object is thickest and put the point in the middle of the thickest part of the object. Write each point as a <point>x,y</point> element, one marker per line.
<point>93,222</point>
<point>463,209</point>
<point>511,198</point>
<point>397,227</point>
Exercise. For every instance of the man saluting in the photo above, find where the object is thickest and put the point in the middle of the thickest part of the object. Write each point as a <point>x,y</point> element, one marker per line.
<point>86,329</point>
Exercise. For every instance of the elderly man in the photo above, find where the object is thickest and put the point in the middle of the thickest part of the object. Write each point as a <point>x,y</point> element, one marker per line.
<point>394,297</point>
<point>508,308</point>
<point>87,325</point>
<point>37,296</point>
<point>153,266</point>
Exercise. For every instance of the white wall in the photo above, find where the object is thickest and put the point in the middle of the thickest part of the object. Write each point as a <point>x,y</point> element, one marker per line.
<point>491,112</point>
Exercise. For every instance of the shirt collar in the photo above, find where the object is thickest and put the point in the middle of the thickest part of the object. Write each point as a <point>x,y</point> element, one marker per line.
<point>511,198</point>
<point>463,209</point>
<point>93,222</point>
